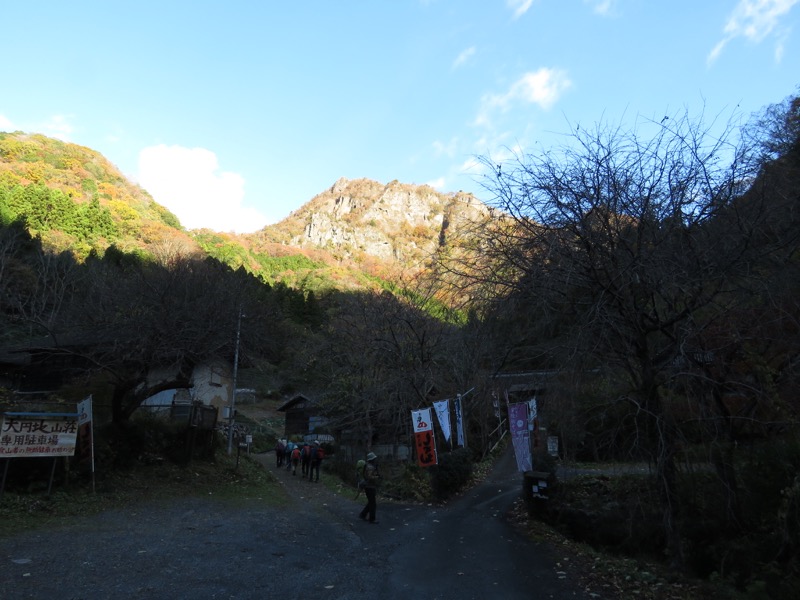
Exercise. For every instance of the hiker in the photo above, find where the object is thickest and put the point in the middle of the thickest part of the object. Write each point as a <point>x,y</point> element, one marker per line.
<point>317,454</point>
<point>305,458</point>
<point>280,447</point>
<point>295,459</point>
<point>370,485</point>
<point>287,453</point>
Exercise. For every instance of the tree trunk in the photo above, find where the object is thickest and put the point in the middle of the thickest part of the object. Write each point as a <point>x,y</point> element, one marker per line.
<point>668,494</point>
<point>119,414</point>
<point>722,459</point>
<point>663,437</point>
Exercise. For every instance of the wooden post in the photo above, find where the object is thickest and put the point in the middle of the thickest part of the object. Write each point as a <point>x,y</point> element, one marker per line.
<point>5,473</point>
<point>52,475</point>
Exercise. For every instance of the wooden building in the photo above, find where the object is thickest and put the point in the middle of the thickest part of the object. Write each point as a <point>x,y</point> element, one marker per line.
<point>301,416</point>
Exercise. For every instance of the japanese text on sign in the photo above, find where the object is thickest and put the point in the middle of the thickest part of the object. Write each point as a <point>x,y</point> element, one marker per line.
<point>426,449</point>
<point>38,436</point>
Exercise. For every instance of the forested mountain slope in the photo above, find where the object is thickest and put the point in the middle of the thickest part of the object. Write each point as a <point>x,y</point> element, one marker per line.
<point>74,198</point>
<point>355,235</point>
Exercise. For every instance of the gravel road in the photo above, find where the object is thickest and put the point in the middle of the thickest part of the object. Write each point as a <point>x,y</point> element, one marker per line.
<point>315,549</point>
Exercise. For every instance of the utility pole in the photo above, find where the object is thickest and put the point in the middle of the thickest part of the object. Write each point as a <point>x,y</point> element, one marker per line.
<point>232,407</point>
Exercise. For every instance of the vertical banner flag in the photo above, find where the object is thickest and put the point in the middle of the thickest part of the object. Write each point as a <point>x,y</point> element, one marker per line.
<point>423,435</point>
<point>533,421</point>
<point>459,422</point>
<point>520,436</point>
<point>442,408</point>
<point>86,433</point>
<point>85,441</point>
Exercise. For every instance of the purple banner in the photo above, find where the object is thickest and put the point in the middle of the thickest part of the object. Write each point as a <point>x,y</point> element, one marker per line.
<point>520,436</point>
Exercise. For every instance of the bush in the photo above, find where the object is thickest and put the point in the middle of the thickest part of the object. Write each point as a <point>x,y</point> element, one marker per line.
<point>745,537</point>
<point>756,547</point>
<point>452,474</point>
<point>344,470</point>
<point>617,513</point>
<point>118,445</point>
<point>141,440</point>
<point>410,482</point>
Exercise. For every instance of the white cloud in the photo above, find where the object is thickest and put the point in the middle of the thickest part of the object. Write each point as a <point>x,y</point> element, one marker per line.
<point>447,149</point>
<point>715,52</point>
<point>462,58</point>
<point>188,182</point>
<point>520,7</point>
<point>754,20</point>
<point>471,166</point>
<point>437,184</point>
<point>492,148</point>
<point>57,126</point>
<point>601,7</point>
<point>543,88</point>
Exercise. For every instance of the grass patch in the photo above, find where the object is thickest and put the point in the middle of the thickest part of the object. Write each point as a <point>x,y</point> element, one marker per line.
<point>221,479</point>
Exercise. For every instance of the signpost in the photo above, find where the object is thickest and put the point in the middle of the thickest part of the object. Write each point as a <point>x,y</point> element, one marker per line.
<point>38,434</point>
<point>86,432</point>
<point>232,407</point>
<point>28,434</point>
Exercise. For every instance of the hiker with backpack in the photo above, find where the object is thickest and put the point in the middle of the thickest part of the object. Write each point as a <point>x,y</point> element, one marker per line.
<point>280,448</point>
<point>287,453</point>
<point>305,458</point>
<point>369,483</point>
<point>317,454</point>
<point>295,459</point>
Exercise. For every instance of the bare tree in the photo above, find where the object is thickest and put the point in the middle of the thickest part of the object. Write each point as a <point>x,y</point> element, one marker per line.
<point>360,387</point>
<point>619,250</point>
<point>145,326</point>
<point>35,284</point>
<point>387,356</point>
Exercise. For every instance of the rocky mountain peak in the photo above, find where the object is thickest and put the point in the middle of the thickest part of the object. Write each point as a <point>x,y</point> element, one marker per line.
<point>395,222</point>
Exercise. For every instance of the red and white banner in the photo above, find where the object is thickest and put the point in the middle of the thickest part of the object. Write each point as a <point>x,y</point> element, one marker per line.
<point>86,431</point>
<point>85,411</point>
<point>423,437</point>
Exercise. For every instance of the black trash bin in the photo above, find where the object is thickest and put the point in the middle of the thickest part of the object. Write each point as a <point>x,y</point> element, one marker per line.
<point>537,490</point>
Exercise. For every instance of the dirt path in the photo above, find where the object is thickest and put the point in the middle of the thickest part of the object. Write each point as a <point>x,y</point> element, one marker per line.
<point>465,550</point>
<point>315,549</point>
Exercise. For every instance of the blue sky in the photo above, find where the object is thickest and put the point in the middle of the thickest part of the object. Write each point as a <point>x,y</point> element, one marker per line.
<point>234,113</point>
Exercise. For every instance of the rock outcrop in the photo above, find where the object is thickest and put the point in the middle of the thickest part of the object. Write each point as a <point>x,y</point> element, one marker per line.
<point>395,222</point>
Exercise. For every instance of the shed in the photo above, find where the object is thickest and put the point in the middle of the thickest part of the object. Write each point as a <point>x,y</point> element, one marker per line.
<point>521,386</point>
<point>302,415</point>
